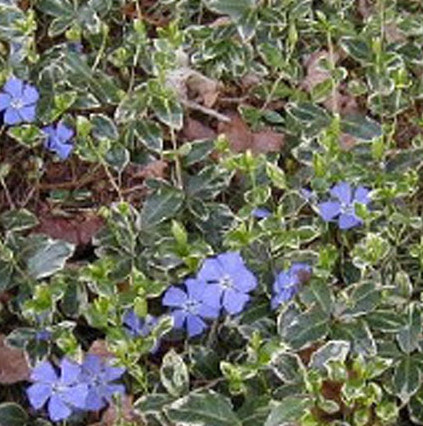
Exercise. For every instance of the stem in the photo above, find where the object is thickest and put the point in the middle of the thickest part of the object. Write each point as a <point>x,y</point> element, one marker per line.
<point>178,167</point>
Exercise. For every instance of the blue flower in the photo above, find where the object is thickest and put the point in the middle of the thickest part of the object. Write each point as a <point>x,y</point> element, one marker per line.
<point>18,101</point>
<point>229,282</point>
<point>58,140</point>
<point>288,282</point>
<point>137,326</point>
<point>99,377</point>
<point>261,213</point>
<point>191,307</point>
<point>63,393</point>
<point>342,205</point>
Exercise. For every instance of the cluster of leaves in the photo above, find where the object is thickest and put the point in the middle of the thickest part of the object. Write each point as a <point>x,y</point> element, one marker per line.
<point>326,93</point>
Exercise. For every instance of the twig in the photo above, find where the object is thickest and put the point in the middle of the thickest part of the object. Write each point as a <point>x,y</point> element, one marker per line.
<point>205,110</point>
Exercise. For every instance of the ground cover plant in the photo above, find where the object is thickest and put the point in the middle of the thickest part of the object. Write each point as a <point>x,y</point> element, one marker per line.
<point>211,212</point>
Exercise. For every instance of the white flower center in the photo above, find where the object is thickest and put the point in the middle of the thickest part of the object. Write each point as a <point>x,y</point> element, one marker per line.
<point>16,103</point>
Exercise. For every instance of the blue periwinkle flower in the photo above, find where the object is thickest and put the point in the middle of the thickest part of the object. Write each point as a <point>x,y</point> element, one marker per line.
<point>64,393</point>
<point>342,205</point>
<point>191,307</point>
<point>18,101</point>
<point>138,326</point>
<point>99,377</point>
<point>261,213</point>
<point>229,279</point>
<point>288,283</point>
<point>59,139</point>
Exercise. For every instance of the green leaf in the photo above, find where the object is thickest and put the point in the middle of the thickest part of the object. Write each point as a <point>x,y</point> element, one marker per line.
<point>26,134</point>
<point>288,411</point>
<point>406,379</point>
<point>287,367</point>
<point>47,256</point>
<point>405,159</point>
<point>174,374</point>
<point>168,111</point>
<point>364,298</point>
<point>57,8</point>
<point>415,408</point>
<point>385,321</point>
<point>150,135</point>
<point>12,414</point>
<point>361,127</point>
<point>202,409</point>
<point>335,350</point>
<point>303,329</point>
<point>233,8</point>
<point>318,292</point>
<point>358,334</point>
<point>18,220</point>
<point>161,205</point>
<point>409,334</point>
<point>118,157</point>
<point>254,410</point>
<point>358,49</point>
<point>103,127</point>
<point>6,271</point>
<point>208,183</point>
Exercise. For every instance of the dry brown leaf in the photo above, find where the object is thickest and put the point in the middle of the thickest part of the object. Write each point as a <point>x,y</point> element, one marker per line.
<point>393,34</point>
<point>344,103</point>
<point>365,8</point>
<point>347,142</point>
<point>13,364</point>
<point>316,74</point>
<point>241,138</point>
<point>78,229</point>
<point>196,130</point>
<point>110,416</point>
<point>155,169</point>
<point>99,348</point>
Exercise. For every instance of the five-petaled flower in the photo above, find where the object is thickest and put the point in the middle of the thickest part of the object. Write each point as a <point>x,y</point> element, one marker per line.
<point>288,283</point>
<point>190,308</point>
<point>229,280</point>
<point>59,139</point>
<point>342,205</point>
<point>64,393</point>
<point>18,101</point>
<point>99,377</point>
<point>138,326</point>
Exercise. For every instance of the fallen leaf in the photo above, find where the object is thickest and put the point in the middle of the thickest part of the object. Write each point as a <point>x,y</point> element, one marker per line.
<point>196,130</point>
<point>316,73</point>
<point>99,348</point>
<point>365,8</point>
<point>393,34</point>
<point>345,103</point>
<point>78,229</point>
<point>347,142</point>
<point>156,169</point>
<point>111,415</point>
<point>13,364</point>
<point>241,138</point>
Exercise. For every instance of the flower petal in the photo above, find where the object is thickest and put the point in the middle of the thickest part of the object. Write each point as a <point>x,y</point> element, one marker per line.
<point>343,192</point>
<point>195,288</point>
<point>27,113</point>
<point>207,311</point>
<point>57,409</point>
<point>260,213</point>
<point>92,365</point>
<point>179,317</point>
<point>38,394</point>
<point>362,195</point>
<point>213,295</point>
<point>5,100</point>
<point>329,209</point>
<point>70,371</point>
<point>30,95</point>
<point>347,221</point>
<point>14,87</point>
<point>113,373</point>
<point>283,296</point>
<point>11,116</point>
<point>133,322</point>
<point>64,133</point>
<point>174,296</point>
<point>283,281</point>
<point>195,325</point>
<point>93,401</point>
<point>44,372</point>
<point>63,150</point>
<point>234,301</point>
<point>231,262</point>
<point>244,280</point>
<point>211,271</point>
<point>75,395</point>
